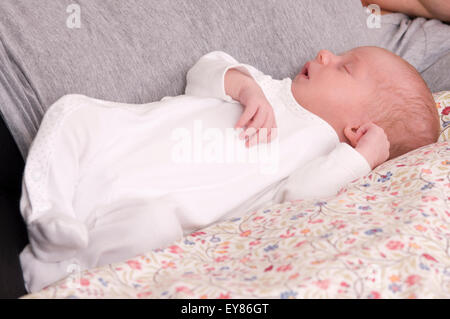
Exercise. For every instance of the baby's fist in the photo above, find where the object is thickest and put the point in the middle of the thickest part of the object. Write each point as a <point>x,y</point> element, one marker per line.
<point>373,144</point>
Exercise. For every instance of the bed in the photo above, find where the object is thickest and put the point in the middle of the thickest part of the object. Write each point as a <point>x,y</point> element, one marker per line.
<point>386,235</point>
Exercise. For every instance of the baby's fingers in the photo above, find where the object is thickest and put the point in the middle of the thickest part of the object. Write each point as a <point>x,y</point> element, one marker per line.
<point>252,141</point>
<point>264,133</point>
<point>249,112</point>
<point>272,127</point>
<point>255,124</point>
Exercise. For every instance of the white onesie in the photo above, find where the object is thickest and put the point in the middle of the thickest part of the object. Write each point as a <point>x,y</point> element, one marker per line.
<point>106,181</point>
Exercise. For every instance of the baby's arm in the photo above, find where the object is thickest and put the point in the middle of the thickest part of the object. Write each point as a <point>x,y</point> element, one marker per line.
<point>326,175</point>
<point>207,77</point>
<point>219,75</point>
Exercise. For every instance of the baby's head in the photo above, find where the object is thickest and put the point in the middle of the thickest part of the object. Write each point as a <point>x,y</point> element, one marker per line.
<point>369,84</point>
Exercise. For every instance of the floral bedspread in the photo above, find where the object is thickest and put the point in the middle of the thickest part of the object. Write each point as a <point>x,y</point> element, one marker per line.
<point>386,235</point>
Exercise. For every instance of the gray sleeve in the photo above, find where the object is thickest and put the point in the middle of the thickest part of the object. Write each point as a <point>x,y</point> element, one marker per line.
<point>437,76</point>
<point>425,43</point>
<point>437,41</point>
<point>436,63</point>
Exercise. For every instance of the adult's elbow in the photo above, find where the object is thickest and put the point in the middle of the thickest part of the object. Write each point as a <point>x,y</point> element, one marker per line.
<point>437,9</point>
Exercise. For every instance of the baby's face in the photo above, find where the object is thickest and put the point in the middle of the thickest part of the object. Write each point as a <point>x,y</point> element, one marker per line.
<point>335,87</point>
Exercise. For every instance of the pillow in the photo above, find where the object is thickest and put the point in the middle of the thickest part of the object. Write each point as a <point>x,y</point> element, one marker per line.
<point>443,105</point>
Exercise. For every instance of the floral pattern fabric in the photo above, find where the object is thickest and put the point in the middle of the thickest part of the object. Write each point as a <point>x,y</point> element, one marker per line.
<point>386,235</point>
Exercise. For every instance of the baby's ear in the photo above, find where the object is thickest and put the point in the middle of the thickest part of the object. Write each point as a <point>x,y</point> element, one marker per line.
<point>353,134</point>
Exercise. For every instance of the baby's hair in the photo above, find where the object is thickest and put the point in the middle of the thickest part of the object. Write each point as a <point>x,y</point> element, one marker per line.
<point>406,110</point>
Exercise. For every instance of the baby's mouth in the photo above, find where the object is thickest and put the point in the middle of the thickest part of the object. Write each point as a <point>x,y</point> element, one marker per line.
<point>305,70</point>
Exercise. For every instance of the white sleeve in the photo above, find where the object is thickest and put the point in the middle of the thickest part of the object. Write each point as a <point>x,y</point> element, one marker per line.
<point>206,78</point>
<point>324,176</point>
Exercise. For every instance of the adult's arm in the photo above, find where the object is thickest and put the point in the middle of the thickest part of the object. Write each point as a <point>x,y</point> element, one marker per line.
<point>438,9</point>
<point>430,9</point>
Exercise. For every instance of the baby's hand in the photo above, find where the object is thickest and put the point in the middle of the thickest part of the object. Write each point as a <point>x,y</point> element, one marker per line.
<point>258,118</point>
<point>373,144</point>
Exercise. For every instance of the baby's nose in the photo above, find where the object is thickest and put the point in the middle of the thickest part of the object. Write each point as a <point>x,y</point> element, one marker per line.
<point>324,57</point>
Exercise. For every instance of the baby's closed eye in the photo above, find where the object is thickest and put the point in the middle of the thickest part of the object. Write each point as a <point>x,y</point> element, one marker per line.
<point>346,68</point>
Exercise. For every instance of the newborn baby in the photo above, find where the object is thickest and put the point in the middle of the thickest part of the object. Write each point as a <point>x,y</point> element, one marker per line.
<point>106,181</point>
